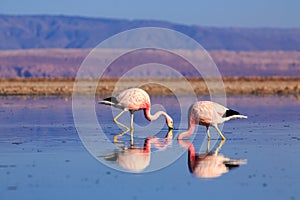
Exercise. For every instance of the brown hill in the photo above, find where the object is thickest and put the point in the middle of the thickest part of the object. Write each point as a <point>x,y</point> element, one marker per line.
<point>66,62</point>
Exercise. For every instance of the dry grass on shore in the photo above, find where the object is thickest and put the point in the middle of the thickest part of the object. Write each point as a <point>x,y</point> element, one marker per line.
<point>233,86</point>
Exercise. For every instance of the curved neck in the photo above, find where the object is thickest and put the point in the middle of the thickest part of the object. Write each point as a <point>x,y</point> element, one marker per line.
<point>159,143</point>
<point>155,116</point>
<point>192,157</point>
<point>191,153</point>
<point>188,132</point>
<point>147,145</point>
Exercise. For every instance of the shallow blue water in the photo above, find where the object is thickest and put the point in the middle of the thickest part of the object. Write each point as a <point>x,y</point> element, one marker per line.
<point>42,156</point>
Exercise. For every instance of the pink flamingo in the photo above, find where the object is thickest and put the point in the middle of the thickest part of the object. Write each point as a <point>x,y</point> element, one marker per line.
<point>132,100</point>
<point>207,113</point>
<point>210,164</point>
<point>137,158</point>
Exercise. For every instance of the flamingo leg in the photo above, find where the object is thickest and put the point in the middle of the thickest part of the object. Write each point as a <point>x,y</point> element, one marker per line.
<point>119,135</point>
<point>208,146</point>
<point>131,138</point>
<point>219,147</point>
<point>208,133</point>
<point>222,136</point>
<point>131,121</point>
<point>119,123</point>
<point>131,128</point>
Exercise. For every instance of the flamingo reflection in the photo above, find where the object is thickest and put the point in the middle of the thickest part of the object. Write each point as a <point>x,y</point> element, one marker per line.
<point>209,164</point>
<point>137,158</point>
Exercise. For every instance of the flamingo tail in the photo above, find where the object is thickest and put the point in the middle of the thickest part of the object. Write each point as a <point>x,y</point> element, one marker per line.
<point>234,163</point>
<point>111,101</point>
<point>235,117</point>
<point>230,112</point>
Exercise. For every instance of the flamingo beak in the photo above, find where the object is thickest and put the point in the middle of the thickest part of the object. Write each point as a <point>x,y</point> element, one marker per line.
<point>170,134</point>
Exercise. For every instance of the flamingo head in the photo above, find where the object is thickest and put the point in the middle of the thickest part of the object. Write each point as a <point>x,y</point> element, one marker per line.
<point>169,121</point>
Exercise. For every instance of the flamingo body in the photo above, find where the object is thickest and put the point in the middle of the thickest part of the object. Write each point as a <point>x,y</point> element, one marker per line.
<point>132,100</point>
<point>208,113</point>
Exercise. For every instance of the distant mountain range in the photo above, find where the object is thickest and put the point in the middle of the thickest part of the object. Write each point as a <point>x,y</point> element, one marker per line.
<point>27,32</point>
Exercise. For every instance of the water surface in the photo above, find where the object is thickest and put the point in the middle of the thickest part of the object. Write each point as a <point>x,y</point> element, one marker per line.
<point>42,156</point>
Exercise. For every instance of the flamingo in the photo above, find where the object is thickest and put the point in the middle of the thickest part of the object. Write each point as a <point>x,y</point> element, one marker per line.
<point>132,100</point>
<point>208,113</point>
<point>210,164</point>
<point>137,158</point>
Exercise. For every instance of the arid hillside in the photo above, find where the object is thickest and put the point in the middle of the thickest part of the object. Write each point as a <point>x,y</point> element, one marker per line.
<point>66,62</point>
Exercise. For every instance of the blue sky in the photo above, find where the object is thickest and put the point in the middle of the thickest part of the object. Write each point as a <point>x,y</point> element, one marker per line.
<point>226,13</point>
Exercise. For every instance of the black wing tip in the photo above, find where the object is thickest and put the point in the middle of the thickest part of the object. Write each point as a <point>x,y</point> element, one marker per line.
<point>231,166</point>
<point>230,113</point>
<point>111,99</point>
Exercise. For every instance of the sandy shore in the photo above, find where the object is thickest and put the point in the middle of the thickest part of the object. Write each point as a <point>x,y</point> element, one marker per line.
<point>233,86</point>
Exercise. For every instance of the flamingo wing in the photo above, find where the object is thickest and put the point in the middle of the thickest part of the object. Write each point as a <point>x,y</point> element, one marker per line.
<point>201,113</point>
<point>223,111</point>
<point>134,99</point>
<point>219,109</point>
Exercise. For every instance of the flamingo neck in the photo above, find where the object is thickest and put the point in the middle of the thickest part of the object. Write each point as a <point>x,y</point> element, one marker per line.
<point>188,132</point>
<point>147,145</point>
<point>191,153</point>
<point>192,157</point>
<point>155,116</point>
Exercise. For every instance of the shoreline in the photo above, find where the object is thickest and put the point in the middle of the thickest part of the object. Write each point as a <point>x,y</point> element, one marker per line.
<point>106,86</point>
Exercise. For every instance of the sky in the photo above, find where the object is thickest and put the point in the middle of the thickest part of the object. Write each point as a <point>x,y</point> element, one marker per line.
<point>218,13</point>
